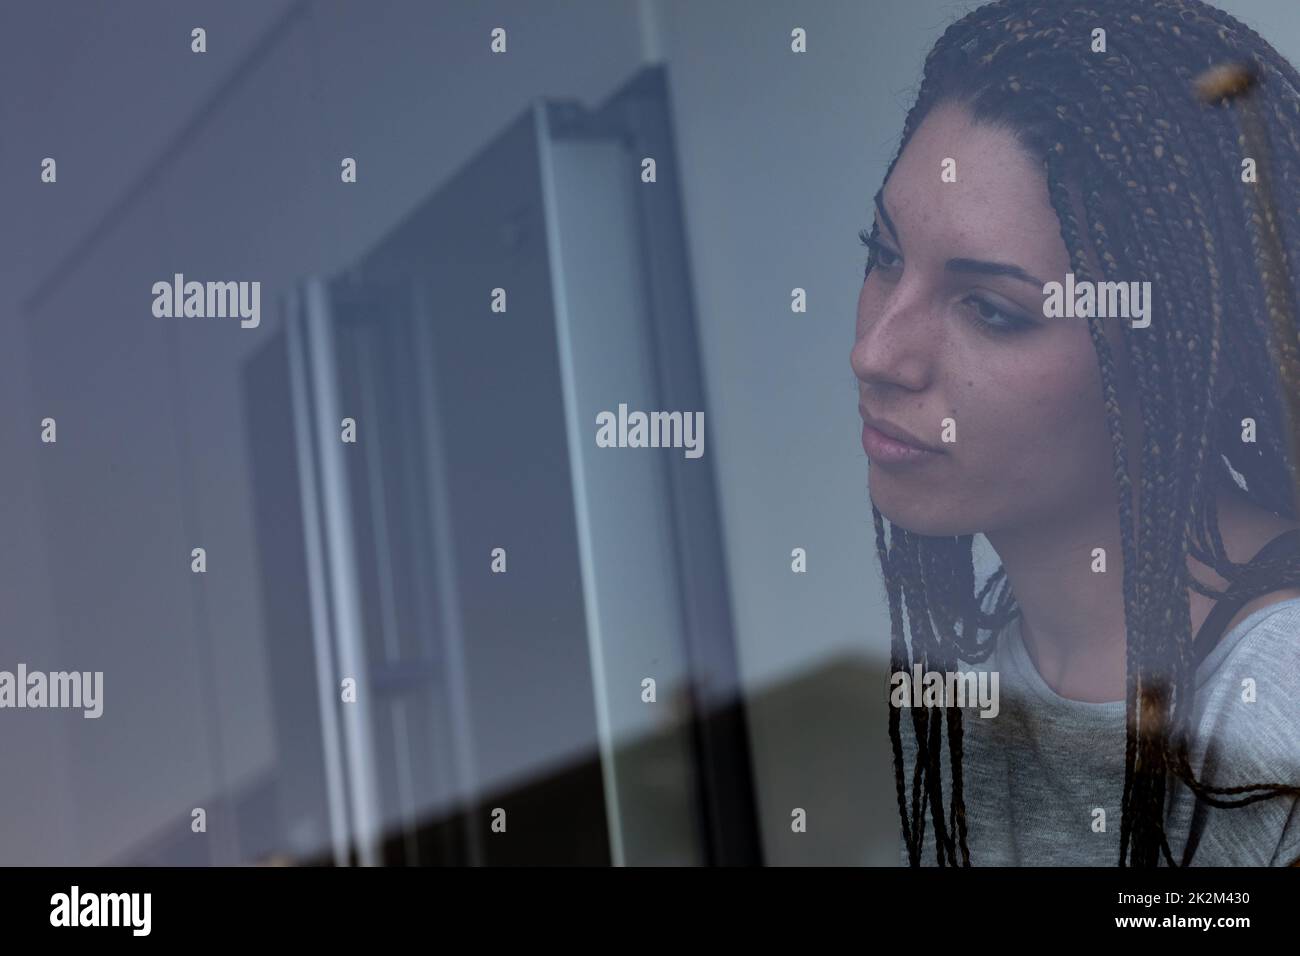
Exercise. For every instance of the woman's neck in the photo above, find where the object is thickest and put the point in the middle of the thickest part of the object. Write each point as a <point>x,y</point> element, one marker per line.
<point>1072,616</point>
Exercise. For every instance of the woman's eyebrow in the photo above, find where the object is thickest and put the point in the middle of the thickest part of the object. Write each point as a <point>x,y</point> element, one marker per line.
<point>993,269</point>
<point>964,265</point>
<point>884,216</point>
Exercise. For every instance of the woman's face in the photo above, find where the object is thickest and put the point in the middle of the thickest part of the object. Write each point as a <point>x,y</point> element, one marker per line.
<point>941,336</point>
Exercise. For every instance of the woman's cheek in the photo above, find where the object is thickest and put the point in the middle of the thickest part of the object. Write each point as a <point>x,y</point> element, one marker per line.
<point>1040,418</point>
<point>1071,428</point>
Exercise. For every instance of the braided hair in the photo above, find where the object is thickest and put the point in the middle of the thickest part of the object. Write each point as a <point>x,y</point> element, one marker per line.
<point>1158,176</point>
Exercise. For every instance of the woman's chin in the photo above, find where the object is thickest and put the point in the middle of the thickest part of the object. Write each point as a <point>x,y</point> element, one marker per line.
<point>919,516</point>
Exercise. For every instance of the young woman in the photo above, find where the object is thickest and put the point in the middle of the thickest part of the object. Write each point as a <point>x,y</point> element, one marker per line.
<point>1129,454</point>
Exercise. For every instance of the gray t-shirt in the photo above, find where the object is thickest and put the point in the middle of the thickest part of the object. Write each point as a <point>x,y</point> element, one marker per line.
<point>1034,775</point>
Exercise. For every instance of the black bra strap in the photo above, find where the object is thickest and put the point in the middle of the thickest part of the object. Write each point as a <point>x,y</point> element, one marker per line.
<point>1233,601</point>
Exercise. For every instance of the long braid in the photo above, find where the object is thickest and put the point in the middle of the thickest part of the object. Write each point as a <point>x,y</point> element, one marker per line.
<point>1069,232</point>
<point>1127,124</point>
<point>931,657</point>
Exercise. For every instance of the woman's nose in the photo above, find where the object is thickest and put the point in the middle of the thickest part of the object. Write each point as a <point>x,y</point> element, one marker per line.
<point>896,342</point>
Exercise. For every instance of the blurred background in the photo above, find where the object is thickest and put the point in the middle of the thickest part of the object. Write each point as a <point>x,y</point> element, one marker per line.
<point>481,695</point>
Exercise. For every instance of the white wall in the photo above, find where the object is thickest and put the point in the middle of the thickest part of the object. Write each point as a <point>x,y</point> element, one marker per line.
<point>80,83</point>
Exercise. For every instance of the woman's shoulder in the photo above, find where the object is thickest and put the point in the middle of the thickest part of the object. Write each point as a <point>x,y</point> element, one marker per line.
<point>1263,644</point>
<point>1248,732</point>
<point>1283,606</point>
<point>1247,694</point>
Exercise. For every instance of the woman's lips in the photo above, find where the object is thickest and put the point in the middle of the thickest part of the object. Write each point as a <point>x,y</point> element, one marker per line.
<point>884,450</point>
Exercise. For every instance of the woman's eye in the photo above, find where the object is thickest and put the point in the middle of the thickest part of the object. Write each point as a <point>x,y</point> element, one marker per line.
<point>994,319</point>
<point>880,256</point>
<point>885,257</point>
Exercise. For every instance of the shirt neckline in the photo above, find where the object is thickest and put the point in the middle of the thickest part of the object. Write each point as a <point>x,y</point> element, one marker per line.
<point>1018,659</point>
